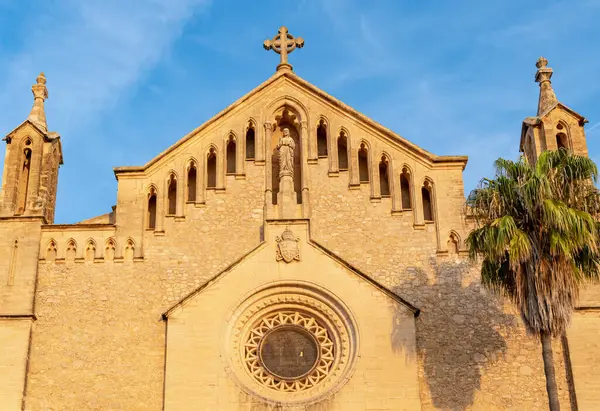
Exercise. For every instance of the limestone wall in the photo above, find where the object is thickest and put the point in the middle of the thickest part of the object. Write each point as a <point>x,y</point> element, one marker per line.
<point>14,340</point>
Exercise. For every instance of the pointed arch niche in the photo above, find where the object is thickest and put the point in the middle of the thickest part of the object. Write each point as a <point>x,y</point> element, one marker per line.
<point>286,118</point>
<point>250,141</point>
<point>342,151</point>
<point>363,164</point>
<point>562,136</point>
<point>71,251</point>
<point>405,189</point>
<point>172,194</point>
<point>192,176</point>
<point>454,243</point>
<point>322,139</point>
<point>385,177</point>
<point>109,249</point>
<point>151,209</point>
<point>427,200</point>
<point>129,252</point>
<point>211,168</point>
<point>231,152</point>
<point>51,250</point>
<point>24,176</point>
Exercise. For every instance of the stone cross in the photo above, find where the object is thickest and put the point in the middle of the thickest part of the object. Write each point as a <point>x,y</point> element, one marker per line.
<point>283,43</point>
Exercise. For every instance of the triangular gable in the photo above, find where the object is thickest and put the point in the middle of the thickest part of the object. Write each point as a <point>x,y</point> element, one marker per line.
<point>306,86</point>
<point>416,311</point>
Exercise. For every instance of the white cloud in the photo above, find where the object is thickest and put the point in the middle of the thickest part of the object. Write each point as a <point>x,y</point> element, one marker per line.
<point>92,52</point>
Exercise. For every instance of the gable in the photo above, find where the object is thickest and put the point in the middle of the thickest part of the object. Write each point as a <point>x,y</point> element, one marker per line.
<point>238,325</point>
<point>286,88</point>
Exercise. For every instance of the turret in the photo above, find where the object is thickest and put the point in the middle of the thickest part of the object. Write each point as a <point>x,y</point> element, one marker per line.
<point>555,126</point>
<point>33,156</point>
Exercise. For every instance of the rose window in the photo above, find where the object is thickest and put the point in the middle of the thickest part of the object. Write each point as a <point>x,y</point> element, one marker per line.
<point>289,351</point>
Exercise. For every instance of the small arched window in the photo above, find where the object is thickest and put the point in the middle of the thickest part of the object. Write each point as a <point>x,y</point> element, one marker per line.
<point>172,195</point>
<point>211,169</point>
<point>231,153</point>
<point>427,203</point>
<point>363,164</point>
<point>250,139</point>
<point>405,190</point>
<point>384,178</point>
<point>24,179</point>
<point>191,182</point>
<point>342,147</point>
<point>322,139</point>
<point>151,212</point>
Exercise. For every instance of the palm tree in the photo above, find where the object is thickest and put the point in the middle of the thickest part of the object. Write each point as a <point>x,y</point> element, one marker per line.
<point>538,234</point>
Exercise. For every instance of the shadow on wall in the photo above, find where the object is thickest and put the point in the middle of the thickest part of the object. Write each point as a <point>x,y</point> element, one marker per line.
<point>457,332</point>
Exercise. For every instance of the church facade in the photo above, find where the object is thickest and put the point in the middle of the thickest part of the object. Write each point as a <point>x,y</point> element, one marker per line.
<point>288,254</point>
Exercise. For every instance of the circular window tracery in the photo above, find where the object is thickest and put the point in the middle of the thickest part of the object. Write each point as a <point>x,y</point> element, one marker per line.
<point>290,343</point>
<point>289,351</point>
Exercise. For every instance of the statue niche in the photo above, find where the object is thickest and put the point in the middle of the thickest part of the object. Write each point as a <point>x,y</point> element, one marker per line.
<point>292,153</point>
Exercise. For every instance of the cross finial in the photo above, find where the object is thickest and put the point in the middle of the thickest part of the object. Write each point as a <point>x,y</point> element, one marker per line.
<point>283,44</point>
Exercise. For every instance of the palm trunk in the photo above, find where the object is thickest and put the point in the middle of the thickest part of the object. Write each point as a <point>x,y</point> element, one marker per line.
<point>549,370</point>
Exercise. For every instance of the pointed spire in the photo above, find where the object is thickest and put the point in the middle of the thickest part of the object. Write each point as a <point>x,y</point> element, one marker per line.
<point>543,76</point>
<point>40,93</point>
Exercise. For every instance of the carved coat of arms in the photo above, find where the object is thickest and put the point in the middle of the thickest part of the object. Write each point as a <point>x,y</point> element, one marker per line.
<point>287,247</point>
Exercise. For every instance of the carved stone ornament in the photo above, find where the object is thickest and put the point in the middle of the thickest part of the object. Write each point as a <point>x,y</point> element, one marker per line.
<point>287,247</point>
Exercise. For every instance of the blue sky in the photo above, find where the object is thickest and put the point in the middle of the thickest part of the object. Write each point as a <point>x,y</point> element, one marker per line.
<point>129,78</point>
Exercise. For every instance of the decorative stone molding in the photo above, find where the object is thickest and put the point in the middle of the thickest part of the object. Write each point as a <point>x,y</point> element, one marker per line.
<point>324,329</point>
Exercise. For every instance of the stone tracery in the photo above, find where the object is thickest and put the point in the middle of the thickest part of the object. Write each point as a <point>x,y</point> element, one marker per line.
<point>276,321</point>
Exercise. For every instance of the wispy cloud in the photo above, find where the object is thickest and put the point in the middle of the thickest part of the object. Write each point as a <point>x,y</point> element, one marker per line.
<point>92,52</point>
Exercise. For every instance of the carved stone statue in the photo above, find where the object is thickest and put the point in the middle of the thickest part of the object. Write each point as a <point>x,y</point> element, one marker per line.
<point>286,148</point>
